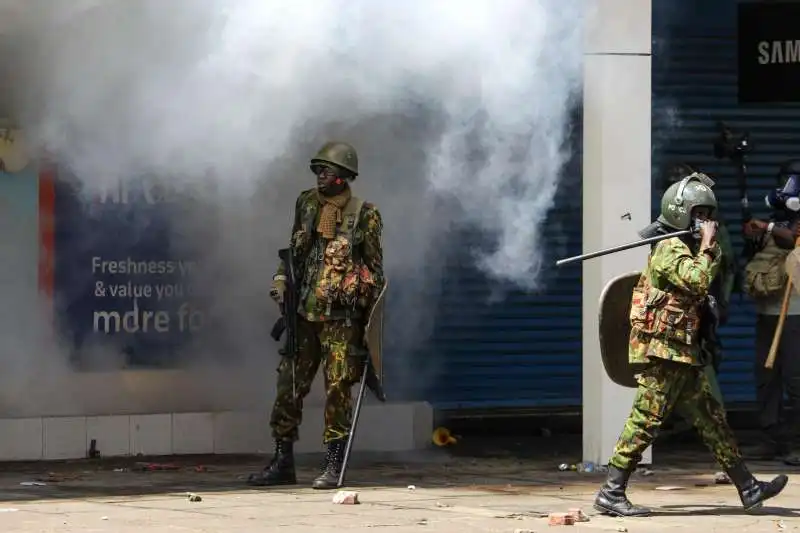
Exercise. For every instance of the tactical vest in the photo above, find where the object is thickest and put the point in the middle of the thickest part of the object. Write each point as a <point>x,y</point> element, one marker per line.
<point>665,315</point>
<point>341,277</point>
<point>765,273</point>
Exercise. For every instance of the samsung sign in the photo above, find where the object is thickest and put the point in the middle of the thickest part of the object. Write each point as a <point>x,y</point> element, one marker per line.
<point>769,52</point>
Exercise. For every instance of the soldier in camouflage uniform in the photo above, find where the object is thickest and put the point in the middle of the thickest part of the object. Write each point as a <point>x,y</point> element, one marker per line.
<point>666,311</point>
<point>721,287</point>
<point>336,243</point>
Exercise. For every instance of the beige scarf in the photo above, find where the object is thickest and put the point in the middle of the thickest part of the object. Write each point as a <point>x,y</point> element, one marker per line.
<point>331,213</point>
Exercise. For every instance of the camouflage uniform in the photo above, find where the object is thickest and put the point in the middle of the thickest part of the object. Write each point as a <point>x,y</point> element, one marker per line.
<point>329,331</point>
<point>338,262</point>
<point>667,306</point>
<point>673,375</point>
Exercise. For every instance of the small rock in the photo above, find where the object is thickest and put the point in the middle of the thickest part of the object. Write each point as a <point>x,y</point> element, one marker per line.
<point>194,497</point>
<point>423,522</point>
<point>578,515</point>
<point>412,487</point>
<point>721,478</point>
<point>346,497</point>
<point>560,519</point>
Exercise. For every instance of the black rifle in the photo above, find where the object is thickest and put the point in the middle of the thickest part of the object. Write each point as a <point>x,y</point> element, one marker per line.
<point>288,319</point>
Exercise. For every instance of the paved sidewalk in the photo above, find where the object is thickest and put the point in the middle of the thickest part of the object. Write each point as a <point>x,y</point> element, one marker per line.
<point>447,494</point>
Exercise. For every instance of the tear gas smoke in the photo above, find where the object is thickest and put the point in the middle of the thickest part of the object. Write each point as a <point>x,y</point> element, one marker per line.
<point>459,112</point>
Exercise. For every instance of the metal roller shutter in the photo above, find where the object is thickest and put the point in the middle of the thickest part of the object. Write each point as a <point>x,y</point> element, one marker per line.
<point>522,350</point>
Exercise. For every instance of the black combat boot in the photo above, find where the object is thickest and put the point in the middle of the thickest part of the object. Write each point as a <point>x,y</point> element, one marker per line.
<point>280,471</point>
<point>753,492</point>
<point>612,500</point>
<point>332,467</point>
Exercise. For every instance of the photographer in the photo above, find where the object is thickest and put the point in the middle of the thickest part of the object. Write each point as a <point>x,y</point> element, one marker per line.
<point>765,282</point>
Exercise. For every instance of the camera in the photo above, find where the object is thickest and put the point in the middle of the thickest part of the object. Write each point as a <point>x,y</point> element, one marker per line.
<point>730,145</point>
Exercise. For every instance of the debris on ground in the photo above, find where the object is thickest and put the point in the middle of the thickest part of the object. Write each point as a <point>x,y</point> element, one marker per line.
<point>670,487</point>
<point>52,477</point>
<point>422,522</point>
<point>346,497</point>
<point>192,497</point>
<point>781,524</point>
<point>201,469</point>
<point>578,515</point>
<point>412,487</point>
<point>154,467</point>
<point>560,519</point>
<point>622,529</point>
<point>644,472</point>
<point>721,478</point>
<point>8,510</point>
<point>103,518</point>
<point>440,504</point>
<point>524,531</point>
<point>120,470</point>
<point>33,484</point>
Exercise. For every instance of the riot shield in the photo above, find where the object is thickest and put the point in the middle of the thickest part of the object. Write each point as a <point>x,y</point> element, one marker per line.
<point>615,328</point>
<point>373,333</point>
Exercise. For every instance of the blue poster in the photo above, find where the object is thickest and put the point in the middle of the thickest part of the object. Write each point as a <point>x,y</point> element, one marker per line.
<point>121,285</point>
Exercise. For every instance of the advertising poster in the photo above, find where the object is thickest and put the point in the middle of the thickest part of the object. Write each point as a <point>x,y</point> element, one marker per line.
<point>121,284</point>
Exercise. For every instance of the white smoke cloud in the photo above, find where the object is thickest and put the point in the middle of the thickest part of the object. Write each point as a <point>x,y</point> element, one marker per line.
<point>459,111</point>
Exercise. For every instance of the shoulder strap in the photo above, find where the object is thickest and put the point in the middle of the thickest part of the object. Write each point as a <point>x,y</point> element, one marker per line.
<point>351,214</point>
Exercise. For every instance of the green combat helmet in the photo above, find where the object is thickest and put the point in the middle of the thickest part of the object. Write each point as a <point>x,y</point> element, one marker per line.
<point>336,153</point>
<point>680,198</point>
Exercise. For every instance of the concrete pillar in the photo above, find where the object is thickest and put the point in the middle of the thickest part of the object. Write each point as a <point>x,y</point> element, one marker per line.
<point>616,182</point>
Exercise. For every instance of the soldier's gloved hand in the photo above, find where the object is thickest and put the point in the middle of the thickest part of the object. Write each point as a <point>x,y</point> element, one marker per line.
<point>278,288</point>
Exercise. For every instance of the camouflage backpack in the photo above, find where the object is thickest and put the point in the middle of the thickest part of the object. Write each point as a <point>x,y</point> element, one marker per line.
<point>765,274</point>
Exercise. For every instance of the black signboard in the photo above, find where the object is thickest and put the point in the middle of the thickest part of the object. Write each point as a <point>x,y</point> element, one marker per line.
<point>769,52</point>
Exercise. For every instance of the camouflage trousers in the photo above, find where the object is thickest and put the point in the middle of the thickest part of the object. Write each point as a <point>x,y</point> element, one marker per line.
<point>665,386</point>
<point>336,345</point>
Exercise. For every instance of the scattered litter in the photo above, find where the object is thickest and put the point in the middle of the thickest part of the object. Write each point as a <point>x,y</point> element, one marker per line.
<point>781,524</point>
<point>578,515</point>
<point>52,477</point>
<point>622,529</point>
<point>560,519</point>
<point>153,467</point>
<point>8,510</point>
<point>442,437</point>
<point>192,497</point>
<point>440,504</point>
<point>346,497</point>
<point>524,531</point>
<point>103,518</point>
<point>644,472</point>
<point>412,487</point>
<point>33,484</point>
<point>670,487</point>
<point>120,470</point>
<point>721,478</point>
<point>564,467</point>
<point>587,467</point>
<point>423,522</point>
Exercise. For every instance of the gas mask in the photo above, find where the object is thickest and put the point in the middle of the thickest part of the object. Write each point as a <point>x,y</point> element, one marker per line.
<point>786,199</point>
